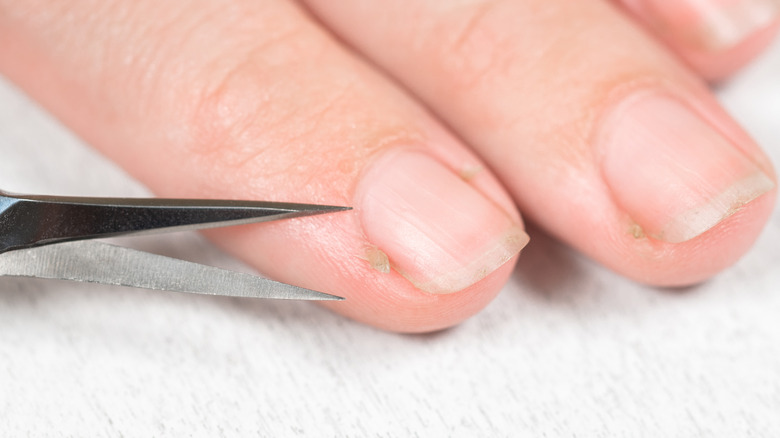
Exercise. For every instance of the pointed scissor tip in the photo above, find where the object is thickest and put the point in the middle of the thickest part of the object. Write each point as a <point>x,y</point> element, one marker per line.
<point>333,298</point>
<point>308,294</point>
<point>333,208</point>
<point>311,210</point>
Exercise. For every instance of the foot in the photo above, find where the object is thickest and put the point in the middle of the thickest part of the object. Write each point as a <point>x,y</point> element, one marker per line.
<point>437,121</point>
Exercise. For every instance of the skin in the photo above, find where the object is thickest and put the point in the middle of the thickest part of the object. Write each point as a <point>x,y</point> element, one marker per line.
<point>303,102</point>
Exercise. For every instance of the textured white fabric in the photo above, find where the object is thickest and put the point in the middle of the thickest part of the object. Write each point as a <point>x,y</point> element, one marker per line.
<point>568,348</point>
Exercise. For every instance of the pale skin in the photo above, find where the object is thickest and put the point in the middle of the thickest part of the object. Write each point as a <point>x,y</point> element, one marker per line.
<point>443,123</point>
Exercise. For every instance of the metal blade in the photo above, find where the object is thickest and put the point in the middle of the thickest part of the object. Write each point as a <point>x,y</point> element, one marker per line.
<point>27,221</point>
<point>97,262</point>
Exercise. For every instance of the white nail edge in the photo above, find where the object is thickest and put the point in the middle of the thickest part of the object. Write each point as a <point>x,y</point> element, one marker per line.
<point>725,27</point>
<point>696,221</point>
<point>502,250</point>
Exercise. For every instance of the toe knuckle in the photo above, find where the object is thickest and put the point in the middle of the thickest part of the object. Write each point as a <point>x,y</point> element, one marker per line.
<point>475,44</point>
<point>250,104</point>
<point>275,117</point>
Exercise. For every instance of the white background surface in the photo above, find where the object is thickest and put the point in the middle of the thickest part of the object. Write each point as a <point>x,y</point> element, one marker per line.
<point>568,348</point>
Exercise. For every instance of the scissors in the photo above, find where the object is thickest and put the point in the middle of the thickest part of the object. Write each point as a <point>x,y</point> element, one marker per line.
<point>51,237</point>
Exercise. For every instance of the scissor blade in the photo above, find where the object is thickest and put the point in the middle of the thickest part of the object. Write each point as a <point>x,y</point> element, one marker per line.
<point>27,221</point>
<point>97,262</point>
